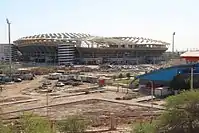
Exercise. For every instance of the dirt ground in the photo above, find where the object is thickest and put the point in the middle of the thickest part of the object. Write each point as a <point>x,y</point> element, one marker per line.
<point>98,111</point>
<point>155,102</point>
<point>13,99</point>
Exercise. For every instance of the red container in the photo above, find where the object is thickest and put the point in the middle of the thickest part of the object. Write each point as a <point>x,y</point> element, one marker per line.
<point>101,82</point>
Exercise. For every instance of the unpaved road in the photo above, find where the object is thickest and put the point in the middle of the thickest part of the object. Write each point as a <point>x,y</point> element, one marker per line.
<point>16,88</point>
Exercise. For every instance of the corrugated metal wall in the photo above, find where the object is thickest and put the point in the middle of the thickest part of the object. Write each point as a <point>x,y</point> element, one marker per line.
<point>161,75</point>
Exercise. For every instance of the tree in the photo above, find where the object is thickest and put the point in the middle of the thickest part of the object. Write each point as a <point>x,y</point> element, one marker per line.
<point>179,82</point>
<point>4,68</point>
<point>128,75</point>
<point>114,77</point>
<point>182,113</point>
<point>134,84</point>
<point>73,124</point>
<point>120,75</point>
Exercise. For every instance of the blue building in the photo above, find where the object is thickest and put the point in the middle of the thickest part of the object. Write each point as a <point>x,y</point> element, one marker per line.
<point>163,77</point>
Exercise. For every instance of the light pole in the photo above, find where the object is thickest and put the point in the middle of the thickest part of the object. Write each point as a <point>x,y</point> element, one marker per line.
<point>173,37</point>
<point>10,47</point>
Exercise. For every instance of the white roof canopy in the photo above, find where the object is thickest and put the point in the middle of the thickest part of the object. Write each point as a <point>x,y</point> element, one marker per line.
<point>190,54</point>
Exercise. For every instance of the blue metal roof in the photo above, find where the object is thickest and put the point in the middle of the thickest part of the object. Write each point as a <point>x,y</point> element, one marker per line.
<point>167,74</point>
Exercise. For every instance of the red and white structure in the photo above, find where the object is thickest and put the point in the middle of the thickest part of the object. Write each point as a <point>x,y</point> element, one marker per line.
<point>190,56</point>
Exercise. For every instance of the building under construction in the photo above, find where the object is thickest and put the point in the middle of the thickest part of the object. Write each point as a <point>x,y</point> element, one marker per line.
<point>67,48</point>
<point>5,50</point>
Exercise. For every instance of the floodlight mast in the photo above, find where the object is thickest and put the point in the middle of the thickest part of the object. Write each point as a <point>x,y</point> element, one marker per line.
<point>10,47</point>
<point>173,39</point>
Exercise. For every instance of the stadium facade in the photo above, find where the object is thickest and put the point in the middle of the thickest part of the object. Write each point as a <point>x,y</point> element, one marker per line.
<point>64,48</point>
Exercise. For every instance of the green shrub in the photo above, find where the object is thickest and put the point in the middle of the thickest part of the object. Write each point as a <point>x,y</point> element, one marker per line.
<point>128,75</point>
<point>27,123</point>
<point>136,83</point>
<point>180,116</point>
<point>4,128</point>
<point>114,77</point>
<point>144,128</point>
<point>31,123</point>
<point>73,124</point>
<point>120,75</point>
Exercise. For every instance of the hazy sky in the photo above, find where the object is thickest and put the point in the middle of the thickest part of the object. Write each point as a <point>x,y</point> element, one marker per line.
<point>156,19</point>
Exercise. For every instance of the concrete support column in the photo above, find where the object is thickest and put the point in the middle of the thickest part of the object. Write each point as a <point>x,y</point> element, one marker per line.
<point>47,56</point>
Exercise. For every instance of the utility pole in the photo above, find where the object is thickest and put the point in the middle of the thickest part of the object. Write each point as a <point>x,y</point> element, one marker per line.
<point>47,104</point>
<point>152,89</point>
<point>191,82</point>
<point>10,47</point>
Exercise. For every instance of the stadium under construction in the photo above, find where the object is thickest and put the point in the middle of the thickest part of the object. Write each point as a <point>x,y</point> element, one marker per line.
<point>67,48</point>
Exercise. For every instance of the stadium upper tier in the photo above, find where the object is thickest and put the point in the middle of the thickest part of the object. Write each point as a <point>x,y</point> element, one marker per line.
<point>57,38</point>
<point>87,49</point>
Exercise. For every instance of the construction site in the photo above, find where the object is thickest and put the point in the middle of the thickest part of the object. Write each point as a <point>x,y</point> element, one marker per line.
<point>98,93</point>
<point>113,82</point>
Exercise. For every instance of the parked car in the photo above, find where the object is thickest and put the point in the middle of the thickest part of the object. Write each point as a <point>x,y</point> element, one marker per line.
<point>7,79</point>
<point>46,83</point>
<point>17,80</point>
<point>60,84</point>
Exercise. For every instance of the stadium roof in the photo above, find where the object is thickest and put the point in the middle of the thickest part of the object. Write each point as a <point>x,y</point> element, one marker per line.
<point>56,36</point>
<point>108,40</point>
<point>87,37</point>
<point>141,40</point>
